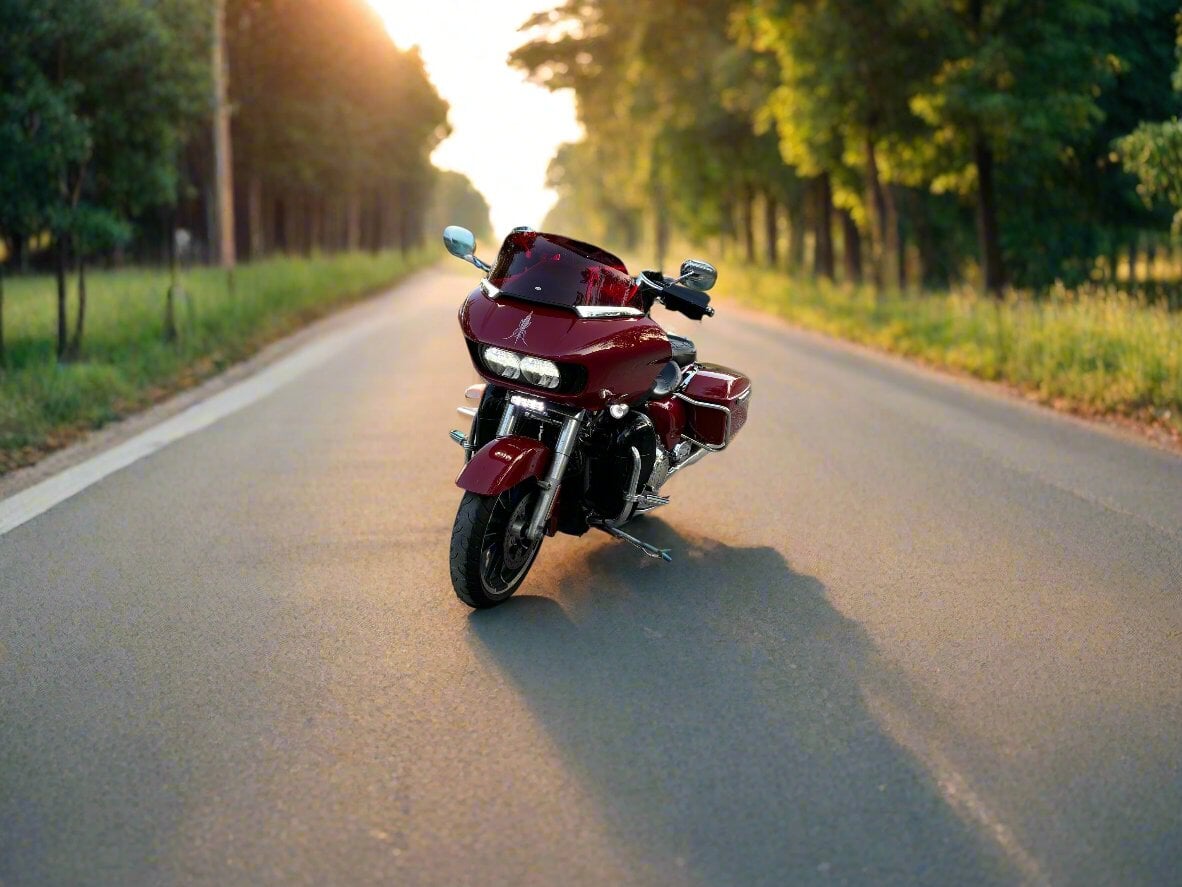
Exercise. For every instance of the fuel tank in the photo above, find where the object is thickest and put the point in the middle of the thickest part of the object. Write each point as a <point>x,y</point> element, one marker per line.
<point>603,360</point>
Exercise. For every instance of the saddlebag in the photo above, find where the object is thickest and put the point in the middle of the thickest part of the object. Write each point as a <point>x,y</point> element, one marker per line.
<point>716,404</point>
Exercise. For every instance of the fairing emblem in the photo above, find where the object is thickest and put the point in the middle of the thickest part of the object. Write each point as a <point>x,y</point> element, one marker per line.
<point>517,337</point>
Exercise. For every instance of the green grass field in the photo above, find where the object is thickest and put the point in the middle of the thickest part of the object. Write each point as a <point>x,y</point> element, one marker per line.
<point>126,364</point>
<point>1094,351</point>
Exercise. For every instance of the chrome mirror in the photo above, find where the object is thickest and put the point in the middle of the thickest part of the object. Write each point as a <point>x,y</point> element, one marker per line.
<point>698,275</point>
<point>461,243</point>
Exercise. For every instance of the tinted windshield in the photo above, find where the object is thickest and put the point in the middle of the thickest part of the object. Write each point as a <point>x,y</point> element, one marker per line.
<point>560,271</point>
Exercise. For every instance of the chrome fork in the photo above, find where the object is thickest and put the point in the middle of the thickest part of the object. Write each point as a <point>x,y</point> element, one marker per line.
<point>563,450</point>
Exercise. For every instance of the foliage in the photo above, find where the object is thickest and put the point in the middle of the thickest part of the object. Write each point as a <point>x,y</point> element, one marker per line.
<point>98,99</point>
<point>1153,153</point>
<point>333,129</point>
<point>456,201</point>
<point>929,124</point>
<point>105,116</point>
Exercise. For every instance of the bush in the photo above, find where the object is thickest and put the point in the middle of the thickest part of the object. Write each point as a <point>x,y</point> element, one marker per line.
<point>1094,350</point>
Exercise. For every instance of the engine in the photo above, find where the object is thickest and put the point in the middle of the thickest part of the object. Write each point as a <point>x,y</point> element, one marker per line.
<point>629,460</point>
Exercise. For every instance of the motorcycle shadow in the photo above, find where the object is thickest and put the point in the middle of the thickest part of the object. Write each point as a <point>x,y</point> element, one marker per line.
<point>714,709</point>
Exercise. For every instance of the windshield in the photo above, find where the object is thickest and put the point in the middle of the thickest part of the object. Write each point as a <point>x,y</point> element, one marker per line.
<point>557,270</point>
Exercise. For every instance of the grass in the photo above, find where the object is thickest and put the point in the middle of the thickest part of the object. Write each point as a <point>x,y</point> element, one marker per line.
<point>126,364</point>
<point>1095,351</point>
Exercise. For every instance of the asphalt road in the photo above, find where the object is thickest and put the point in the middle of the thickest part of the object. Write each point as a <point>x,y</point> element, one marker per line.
<point>914,632</point>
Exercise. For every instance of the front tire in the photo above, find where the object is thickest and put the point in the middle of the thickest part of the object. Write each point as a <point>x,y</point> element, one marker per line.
<point>490,555</point>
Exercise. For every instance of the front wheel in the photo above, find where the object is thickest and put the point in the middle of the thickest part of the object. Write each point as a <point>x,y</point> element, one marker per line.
<point>490,553</point>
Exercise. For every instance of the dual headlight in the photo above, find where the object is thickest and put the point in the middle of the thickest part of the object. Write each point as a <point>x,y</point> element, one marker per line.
<point>531,370</point>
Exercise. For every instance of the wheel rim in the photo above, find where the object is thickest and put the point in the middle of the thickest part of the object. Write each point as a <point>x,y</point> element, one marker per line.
<point>505,552</point>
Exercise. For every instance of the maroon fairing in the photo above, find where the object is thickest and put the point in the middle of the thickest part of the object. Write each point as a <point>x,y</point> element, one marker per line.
<point>668,417</point>
<point>622,355</point>
<point>502,464</point>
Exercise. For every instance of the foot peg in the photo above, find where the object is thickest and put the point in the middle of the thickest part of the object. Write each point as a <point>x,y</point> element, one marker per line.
<point>458,437</point>
<point>649,550</point>
<point>649,501</point>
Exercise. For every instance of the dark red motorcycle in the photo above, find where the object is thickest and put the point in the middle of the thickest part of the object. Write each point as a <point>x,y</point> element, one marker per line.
<point>590,406</point>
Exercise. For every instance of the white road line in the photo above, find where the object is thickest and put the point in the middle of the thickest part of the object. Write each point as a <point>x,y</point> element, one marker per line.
<point>955,788</point>
<point>38,499</point>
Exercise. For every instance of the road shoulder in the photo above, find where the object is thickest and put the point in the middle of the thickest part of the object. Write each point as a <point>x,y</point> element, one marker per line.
<point>116,433</point>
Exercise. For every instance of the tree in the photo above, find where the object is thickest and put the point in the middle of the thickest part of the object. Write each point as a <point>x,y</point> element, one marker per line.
<point>456,201</point>
<point>39,134</point>
<point>90,126</point>
<point>847,71</point>
<point>333,130</point>
<point>1153,153</point>
<point>1017,80</point>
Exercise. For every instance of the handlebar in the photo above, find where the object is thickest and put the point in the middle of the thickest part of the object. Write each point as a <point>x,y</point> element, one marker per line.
<point>693,303</point>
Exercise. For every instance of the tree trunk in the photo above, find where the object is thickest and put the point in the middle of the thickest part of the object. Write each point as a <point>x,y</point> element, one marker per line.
<point>80,320</point>
<point>851,248</point>
<point>3,354</point>
<point>170,333</point>
<point>796,232</point>
<point>404,233</point>
<point>749,223</point>
<point>353,223</point>
<point>379,225</point>
<point>884,216</point>
<point>992,270</point>
<point>900,248</point>
<point>60,272</point>
<point>930,272</point>
<point>1133,259</point>
<point>254,217</point>
<point>874,214</point>
<point>772,229</point>
<point>223,165</point>
<point>823,253</point>
<point>316,224</point>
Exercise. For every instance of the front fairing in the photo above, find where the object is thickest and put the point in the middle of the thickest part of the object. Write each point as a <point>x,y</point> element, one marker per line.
<point>620,356</point>
<point>553,270</point>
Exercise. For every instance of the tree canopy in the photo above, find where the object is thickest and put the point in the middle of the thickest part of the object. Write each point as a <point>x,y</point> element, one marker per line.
<point>105,132</point>
<point>948,137</point>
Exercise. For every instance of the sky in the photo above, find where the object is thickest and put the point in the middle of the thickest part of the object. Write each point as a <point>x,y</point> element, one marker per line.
<point>504,129</point>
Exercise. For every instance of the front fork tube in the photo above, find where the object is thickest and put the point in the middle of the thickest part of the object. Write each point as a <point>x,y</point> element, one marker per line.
<point>563,450</point>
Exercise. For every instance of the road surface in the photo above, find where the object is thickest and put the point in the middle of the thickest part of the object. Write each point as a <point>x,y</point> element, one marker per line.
<point>915,632</point>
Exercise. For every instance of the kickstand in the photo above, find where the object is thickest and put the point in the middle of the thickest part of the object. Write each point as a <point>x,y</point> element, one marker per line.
<point>649,550</point>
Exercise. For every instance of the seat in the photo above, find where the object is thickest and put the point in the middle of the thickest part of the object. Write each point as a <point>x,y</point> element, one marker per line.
<point>684,351</point>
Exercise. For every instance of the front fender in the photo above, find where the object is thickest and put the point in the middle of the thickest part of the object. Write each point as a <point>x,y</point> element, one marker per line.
<point>504,463</point>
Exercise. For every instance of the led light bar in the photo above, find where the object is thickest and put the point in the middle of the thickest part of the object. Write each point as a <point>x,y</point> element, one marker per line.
<point>528,403</point>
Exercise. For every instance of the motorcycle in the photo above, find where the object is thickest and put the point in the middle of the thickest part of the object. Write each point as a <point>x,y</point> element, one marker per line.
<point>588,406</point>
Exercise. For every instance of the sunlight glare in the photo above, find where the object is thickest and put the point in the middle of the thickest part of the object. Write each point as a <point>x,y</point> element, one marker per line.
<point>504,129</point>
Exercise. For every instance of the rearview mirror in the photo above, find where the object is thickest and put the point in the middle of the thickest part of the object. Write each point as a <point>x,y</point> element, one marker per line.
<point>698,275</point>
<point>461,243</point>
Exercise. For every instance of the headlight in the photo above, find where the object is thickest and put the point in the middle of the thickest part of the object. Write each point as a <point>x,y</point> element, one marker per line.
<point>543,373</point>
<point>531,370</point>
<point>503,363</point>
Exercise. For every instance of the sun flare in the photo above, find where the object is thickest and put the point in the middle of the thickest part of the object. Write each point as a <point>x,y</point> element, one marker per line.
<point>504,129</point>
